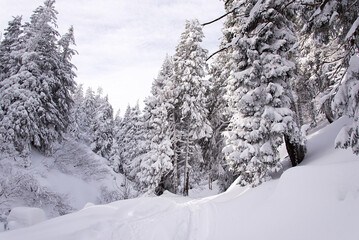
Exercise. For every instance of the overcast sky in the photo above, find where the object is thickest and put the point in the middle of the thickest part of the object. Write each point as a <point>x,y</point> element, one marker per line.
<point>122,43</point>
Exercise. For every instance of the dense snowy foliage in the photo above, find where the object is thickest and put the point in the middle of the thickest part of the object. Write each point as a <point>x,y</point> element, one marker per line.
<point>35,91</point>
<point>282,70</point>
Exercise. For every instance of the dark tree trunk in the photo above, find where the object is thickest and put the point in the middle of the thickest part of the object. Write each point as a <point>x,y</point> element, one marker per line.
<point>328,111</point>
<point>186,187</point>
<point>295,151</point>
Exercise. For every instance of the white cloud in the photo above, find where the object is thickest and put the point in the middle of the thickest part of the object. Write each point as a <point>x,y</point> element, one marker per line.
<point>122,43</point>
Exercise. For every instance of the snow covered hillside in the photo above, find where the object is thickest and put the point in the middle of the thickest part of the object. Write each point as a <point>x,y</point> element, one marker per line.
<point>60,184</point>
<point>317,200</point>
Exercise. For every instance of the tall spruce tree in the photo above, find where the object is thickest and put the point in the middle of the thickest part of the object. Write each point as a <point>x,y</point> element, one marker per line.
<point>157,161</point>
<point>102,128</point>
<point>115,150</point>
<point>132,135</point>
<point>8,45</point>
<point>189,68</point>
<point>258,90</point>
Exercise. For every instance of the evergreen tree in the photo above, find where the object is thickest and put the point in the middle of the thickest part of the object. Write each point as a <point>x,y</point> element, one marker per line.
<point>90,107</point>
<point>132,134</point>
<point>346,100</point>
<point>189,68</point>
<point>36,97</point>
<point>77,115</point>
<point>102,128</point>
<point>333,26</point>
<point>156,162</point>
<point>116,150</point>
<point>218,116</point>
<point>8,45</point>
<point>258,88</point>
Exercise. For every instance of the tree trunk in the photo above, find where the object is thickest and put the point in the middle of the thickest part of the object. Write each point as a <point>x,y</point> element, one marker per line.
<point>295,151</point>
<point>328,111</point>
<point>175,170</point>
<point>186,175</point>
<point>175,161</point>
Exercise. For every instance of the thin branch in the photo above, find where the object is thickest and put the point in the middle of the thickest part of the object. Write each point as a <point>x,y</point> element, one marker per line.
<point>219,18</point>
<point>220,50</point>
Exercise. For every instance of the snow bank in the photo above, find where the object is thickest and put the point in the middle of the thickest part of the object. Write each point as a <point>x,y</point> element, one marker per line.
<point>24,217</point>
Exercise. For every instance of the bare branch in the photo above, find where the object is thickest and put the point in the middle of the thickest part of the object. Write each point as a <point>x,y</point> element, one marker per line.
<point>220,50</point>
<point>219,18</point>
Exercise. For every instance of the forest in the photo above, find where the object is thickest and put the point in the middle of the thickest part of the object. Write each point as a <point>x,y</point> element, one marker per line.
<point>282,68</point>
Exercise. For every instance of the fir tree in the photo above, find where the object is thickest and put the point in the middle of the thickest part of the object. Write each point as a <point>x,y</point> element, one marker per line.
<point>189,68</point>
<point>132,134</point>
<point>8,45</point>
<point>258,90</point>
<point>115,154</point>
<point>102,128</point>
<point>333,27</point>
<point>156,162</point>
<point>36,98</point>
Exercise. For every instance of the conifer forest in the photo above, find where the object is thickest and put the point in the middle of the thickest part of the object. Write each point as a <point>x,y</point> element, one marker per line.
<point>283,69</point>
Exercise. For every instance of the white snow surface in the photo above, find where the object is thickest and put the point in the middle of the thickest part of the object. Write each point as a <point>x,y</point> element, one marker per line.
<point>317,200</point>
<point>24,217</point>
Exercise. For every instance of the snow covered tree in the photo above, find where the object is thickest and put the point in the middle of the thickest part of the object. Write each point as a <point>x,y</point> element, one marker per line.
<point>131,135</point>
<point>156,162</point>
<point>36,99</point>
<point>90,106</point>
<point>8,45</point>
<point>102,128</point>
<point>219,118</point>
<point>189,68</point>
<point>346,101</point>
<point>115,150</point>
<point>77,115</point>
<point>258,91</point>
<point>333,27</point>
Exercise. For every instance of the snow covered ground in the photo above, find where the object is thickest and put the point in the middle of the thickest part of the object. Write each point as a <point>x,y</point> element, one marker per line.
<point>317,200</point>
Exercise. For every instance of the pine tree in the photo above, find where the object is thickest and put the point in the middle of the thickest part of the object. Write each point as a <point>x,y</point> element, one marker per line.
<point>77,115</point>
<point>102,128</point>
<point>333,26</point>
<point>258,88</point>
<point>36,97</point>
<point>156,162</point>
<point>189,68</point>
<point>132,134</point>
<point>90,106</point>
<point>219,118</point>
<point>115,154</point>
<point>9,44</point>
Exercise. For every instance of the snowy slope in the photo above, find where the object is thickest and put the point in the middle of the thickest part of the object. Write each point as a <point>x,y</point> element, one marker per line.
<point>317,200</point>
<point>61,183</point>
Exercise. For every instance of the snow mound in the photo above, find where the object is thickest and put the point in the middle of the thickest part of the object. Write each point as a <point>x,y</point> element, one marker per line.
<point>317,200</point>
<point>24,217</point>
